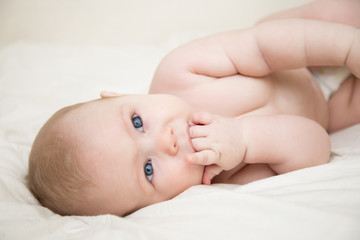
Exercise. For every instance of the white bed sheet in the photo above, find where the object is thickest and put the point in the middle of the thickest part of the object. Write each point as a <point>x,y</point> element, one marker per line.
<point>36,79</point>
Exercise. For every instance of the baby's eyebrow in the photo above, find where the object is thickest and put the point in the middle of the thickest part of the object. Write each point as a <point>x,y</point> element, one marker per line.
<point>125,119</point>
<point>138,172</point>
<point>138,176</point>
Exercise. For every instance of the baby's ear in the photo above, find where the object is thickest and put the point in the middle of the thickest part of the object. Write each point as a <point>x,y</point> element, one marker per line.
<point>107,94</point>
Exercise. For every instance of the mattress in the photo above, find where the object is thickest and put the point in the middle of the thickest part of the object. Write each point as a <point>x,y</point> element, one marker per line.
<point>36,79</point>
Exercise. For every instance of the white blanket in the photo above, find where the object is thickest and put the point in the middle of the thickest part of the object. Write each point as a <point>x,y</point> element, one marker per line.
<point>36,79</point>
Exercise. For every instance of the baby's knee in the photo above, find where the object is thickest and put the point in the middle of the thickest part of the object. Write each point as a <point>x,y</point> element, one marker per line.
<point>344,105</point>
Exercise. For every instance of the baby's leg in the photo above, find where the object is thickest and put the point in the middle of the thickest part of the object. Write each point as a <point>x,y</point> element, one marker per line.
<point>347,12</point>
<point>252,172</point>
<point>344,106</point>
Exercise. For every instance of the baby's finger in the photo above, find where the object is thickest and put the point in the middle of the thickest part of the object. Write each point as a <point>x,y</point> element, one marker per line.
<point>197,131</point>
<point>202,118</point>
<point>206,157</point>
<point>210,172</point>
<point>201,143</point>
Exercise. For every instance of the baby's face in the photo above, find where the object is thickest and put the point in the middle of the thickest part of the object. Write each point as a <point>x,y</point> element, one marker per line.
<point>134,148</point>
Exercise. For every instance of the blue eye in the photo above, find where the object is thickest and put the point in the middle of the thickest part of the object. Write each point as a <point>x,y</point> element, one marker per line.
<point>137,122</point>
<point>148,169</point>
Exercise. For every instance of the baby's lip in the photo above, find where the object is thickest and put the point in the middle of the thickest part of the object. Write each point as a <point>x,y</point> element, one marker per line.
<point>189,138</point>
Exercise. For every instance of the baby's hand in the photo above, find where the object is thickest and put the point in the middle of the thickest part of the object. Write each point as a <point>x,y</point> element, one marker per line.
<point>219,143</point>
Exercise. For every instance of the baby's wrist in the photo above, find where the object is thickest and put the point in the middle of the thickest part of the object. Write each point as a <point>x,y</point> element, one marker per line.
<point>242,129</point>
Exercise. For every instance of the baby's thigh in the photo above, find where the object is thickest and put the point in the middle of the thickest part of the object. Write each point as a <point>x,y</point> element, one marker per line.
<point>251,173</point>
<point>344,106</point>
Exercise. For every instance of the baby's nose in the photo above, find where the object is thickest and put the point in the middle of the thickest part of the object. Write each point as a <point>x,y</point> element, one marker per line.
<point>167,141</point>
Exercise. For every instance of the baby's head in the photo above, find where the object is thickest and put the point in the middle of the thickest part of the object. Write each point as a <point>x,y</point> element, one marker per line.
<point>113,155</point>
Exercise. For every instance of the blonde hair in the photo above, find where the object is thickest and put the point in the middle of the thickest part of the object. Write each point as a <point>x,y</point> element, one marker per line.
<point>55,176</point>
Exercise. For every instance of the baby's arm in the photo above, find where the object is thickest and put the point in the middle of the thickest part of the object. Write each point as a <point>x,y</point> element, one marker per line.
<point>284,142</point>
<point>295,43</point>
<point>258,51</point>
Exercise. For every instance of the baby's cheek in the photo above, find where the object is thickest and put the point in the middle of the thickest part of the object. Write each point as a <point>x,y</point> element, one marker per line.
<point>180,177</point>
<point>189,176</point>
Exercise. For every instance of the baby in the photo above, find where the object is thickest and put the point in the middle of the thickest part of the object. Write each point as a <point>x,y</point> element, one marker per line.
<point>234,107</point>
